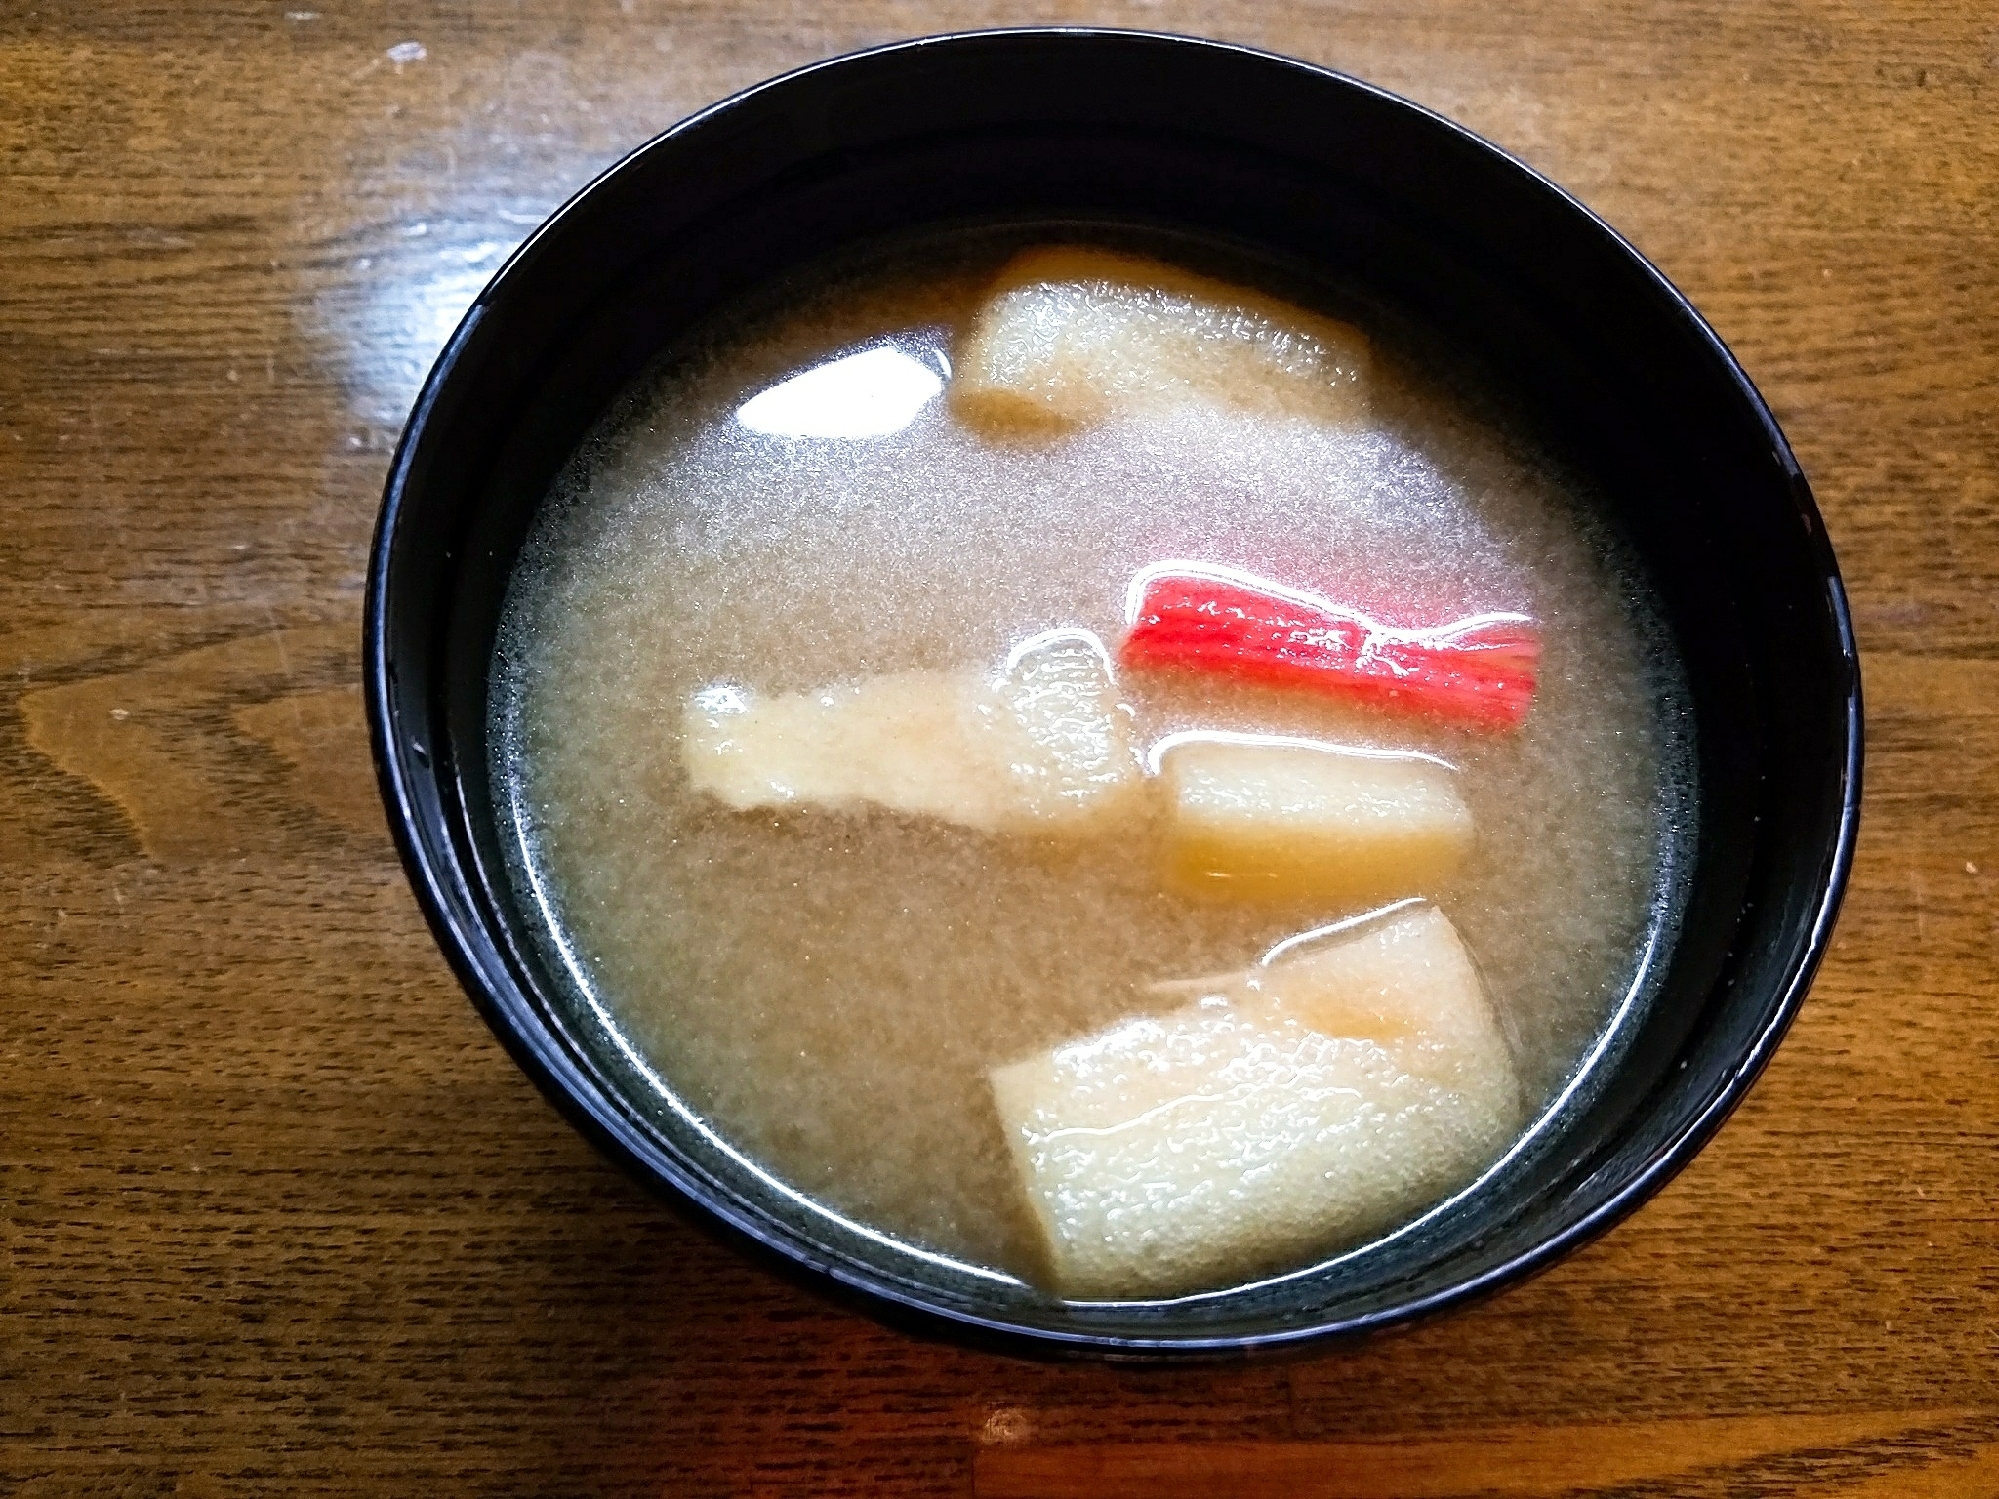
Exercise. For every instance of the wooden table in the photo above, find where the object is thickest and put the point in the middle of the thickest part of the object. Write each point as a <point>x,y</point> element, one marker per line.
<point>278,1216</point>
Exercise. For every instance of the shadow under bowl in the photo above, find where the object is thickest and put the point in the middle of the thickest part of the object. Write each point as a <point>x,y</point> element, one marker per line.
<point>1303,167</point>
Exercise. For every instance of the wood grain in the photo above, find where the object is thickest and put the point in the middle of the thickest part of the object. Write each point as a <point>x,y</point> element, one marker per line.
<point>1850,1453</point>
<point>277,1215</point>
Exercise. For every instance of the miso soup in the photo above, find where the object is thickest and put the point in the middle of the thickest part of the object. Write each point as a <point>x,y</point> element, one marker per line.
<point>1088,767</point>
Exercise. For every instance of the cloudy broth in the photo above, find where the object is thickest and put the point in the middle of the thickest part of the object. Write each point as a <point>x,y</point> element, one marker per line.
<point>795,503</point>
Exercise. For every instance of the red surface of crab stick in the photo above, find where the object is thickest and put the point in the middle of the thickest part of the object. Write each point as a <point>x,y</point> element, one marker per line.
<point>1196,616</point>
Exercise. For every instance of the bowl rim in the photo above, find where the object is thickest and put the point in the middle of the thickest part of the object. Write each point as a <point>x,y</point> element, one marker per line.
<point>853,1282</point>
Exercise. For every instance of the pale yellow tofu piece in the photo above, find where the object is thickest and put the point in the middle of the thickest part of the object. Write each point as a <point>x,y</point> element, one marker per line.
<point>1303,1107</point>
<point>1057,731</point>
<point>1070,336</point>
<point>1040,745</point>
<point>1293,821</point>
<point>1404,979</point>
<point>905,741</point>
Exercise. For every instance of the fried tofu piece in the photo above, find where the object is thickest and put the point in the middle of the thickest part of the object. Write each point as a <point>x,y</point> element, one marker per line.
<point>1071,336</point>
<point>1304,1105</point>
<point>1041,745</point>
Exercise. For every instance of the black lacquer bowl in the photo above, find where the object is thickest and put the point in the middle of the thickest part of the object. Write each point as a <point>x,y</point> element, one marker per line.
<point>1282,160</point>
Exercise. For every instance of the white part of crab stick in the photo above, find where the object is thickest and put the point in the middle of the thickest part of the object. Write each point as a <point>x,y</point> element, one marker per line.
<point>1039,745</point>
<point>1304,1106</point>
<point>1070,336</point>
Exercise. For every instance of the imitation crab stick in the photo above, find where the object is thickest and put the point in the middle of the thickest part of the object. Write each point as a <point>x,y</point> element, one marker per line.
<point>1198,616</point>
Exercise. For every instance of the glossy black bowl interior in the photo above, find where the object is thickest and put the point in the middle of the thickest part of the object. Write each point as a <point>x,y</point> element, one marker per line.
<point>1304,168</point>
